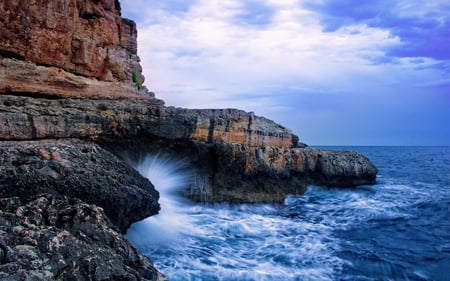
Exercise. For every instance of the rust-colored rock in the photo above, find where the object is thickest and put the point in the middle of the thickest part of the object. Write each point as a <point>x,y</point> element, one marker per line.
<point>25,78</point>
<point>75,35</point>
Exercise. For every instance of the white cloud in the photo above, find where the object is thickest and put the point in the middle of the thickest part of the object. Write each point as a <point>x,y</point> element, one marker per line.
<point>205,48</point>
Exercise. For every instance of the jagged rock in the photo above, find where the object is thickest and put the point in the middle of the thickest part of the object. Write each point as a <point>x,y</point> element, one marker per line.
<point>82,37</point>
<point>233,172</point>
<point>49,237</point>
<point>80,170</point>
<point>270,174</point>
<point>244,158</point>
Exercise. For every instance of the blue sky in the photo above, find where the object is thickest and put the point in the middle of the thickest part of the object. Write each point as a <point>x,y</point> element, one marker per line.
<point>347,72</point>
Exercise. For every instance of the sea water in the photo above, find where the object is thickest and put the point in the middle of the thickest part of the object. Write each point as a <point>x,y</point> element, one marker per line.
<point>398,229</point>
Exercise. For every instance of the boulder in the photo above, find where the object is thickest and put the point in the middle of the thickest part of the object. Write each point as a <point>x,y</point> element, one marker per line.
<point>77,169</point>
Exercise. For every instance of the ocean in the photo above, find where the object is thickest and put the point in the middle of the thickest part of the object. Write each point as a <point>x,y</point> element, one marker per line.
<point>398,229</point>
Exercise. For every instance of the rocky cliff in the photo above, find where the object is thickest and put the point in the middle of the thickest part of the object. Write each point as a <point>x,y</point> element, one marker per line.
<point>72,105</point>
<point>242,157</point>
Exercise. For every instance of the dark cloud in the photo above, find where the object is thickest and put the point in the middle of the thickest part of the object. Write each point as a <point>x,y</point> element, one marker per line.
<point>425,36</point>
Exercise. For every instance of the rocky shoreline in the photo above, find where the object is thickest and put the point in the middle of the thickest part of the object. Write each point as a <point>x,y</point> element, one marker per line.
<point>72,107</point>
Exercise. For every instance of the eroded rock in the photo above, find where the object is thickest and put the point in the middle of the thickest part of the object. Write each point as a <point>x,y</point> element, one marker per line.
<point>79,170</point>
<point>81,37</point>
<point>51,237</point>
<point>29,118</point>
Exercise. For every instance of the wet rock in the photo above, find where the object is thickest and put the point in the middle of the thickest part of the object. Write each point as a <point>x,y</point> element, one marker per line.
<point>270,174</point>
<point>232,172</point>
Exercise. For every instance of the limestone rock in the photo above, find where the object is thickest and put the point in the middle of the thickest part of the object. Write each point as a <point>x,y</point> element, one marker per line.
<point>74,35</point>
<point>270,174</point>
<point>80,170</point>
<point>239,173</point>
<point>50,237</point>
<point>25,78</point>
<point>30,118</point>
<point>244,158</point>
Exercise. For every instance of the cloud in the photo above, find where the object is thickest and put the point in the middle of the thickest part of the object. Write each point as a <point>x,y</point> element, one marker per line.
<point>298,62</point>
<point>423,27</point>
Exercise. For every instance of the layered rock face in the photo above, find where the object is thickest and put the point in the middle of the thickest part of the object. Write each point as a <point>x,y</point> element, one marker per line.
<point>88,38</point>
<point>25,78</point>
<point>69,49</point>
<point>30,118</point>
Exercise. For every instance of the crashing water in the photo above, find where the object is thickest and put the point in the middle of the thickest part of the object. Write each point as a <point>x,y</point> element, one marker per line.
<point>398,229</point>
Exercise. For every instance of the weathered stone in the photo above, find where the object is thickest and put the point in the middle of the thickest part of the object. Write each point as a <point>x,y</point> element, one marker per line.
<point>63,118</point>
<point>25,78</point>
<point>50,237</point>
<point>244,157</point>
<point>270,174</point>
<point>74,35</point>
<point>80,170</point>
<point>233,172</point>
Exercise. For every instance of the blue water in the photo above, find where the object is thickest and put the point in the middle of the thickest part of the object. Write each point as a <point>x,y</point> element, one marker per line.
<point>398,229</point>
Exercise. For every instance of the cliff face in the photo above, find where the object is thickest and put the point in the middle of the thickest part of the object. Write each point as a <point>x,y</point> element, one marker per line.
<point>65,202</point>
<point>69,49</point>
<point>70,91</point>
<point>30,118</point>
<point>88,38</point>
<point>244,157</point>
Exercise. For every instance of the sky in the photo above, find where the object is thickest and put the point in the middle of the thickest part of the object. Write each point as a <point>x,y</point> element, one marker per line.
<point>348,72</point>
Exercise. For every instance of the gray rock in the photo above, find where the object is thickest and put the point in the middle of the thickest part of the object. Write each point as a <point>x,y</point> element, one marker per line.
<point>53,237</point>
<point>77,169</point>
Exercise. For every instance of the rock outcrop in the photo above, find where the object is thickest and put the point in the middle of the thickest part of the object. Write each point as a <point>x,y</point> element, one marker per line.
<point>77,169</point>
<point>241,157</point>
<point>23,78</point>
<point>64,205</point>
<point>88,38</point>
<point>244,158</point>
<point>69,49</point>
<point>72,103</point>
<point>29,118</point>
<point>51,237</point>
<point>270,174</point>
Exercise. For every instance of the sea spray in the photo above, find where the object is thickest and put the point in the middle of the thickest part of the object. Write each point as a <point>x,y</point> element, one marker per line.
<point>198,241</point>
<point>396,230</point>
<point>170,177</point>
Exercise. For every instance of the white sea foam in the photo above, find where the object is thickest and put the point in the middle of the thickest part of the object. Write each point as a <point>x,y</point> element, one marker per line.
<point>397,229</point>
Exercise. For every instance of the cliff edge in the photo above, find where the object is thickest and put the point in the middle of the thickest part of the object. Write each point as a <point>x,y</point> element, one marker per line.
<point>72,103</point>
